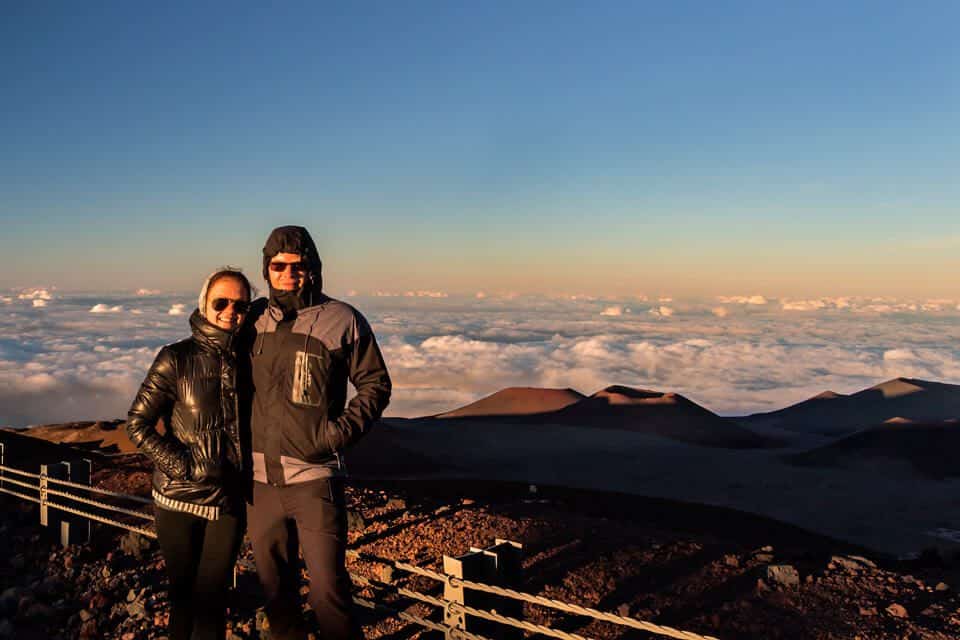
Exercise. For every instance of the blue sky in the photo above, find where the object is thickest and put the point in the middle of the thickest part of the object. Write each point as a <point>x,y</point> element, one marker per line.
<point>691,148</point>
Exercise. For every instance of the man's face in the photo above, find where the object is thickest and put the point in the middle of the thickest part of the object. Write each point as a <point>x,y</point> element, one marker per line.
<point>287,272</point>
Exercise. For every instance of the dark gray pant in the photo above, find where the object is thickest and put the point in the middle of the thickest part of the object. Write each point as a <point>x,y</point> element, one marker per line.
<point>311,516</point>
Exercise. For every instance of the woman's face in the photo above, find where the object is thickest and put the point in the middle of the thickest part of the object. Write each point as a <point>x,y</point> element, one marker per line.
<point>224,294</point>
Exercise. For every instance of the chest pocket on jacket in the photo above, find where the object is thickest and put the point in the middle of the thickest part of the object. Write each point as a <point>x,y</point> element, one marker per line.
<point>309,378</point>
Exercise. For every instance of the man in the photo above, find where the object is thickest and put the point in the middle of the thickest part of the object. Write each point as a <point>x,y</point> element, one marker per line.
<point>304,349</point>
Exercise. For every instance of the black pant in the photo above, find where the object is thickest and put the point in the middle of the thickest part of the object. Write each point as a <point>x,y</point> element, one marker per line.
<point>199,555</point>
<point>312,516</point>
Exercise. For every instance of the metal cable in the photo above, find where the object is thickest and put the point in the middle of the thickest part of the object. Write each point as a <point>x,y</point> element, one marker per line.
<point>20,495</point>
<point>19,471</point>
<point>101,505</point>
<point>144,532</point>
<point>20,483</point>
<point>114,494</point>
<point>413,595</point>
<point>403,566</point>
<point>409,617</point>
<point>513,622</point>
<point>554,604</point>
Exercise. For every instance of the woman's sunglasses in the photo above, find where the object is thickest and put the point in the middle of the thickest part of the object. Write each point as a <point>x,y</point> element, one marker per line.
<point>239,306</point>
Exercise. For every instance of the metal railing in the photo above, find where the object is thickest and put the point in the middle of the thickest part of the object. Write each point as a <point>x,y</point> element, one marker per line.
<point>454,609</point>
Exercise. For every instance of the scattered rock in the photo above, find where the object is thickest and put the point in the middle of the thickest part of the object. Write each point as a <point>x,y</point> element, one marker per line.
<point>386,573</point>
<point>88,630</point>
<point>355,521</point>
<point>868,611</point>
<point>396,504</point>
<point>783,575</point>
<point>6,629</point>
<point>134,544</point>
<point>762,587</point>
<point>623,610</point>
<point>864,561</point>
<point>897,611</point>
<point>468,502</point>
<point>99,601</point>
<point>852,564</point>
<point>942,586</point>
<point>85,615</point>
<point>136,609</point>
<point>39,610</point>
<point>731,560</point>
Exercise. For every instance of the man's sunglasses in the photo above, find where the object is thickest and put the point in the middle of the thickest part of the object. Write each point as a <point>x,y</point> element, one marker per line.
<point>280,267</point>
<point>239,306</point>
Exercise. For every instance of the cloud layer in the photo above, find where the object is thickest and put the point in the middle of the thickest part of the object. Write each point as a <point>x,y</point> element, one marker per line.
<point>62,362</point>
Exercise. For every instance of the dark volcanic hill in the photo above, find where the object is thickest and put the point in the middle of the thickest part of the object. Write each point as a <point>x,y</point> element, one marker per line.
<point>834,414</point>
<point>617,407</point>
<point>925,446</point>
<point>517,401</point>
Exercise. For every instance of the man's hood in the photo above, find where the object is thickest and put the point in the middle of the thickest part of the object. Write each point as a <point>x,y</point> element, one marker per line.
<point>293,239</point>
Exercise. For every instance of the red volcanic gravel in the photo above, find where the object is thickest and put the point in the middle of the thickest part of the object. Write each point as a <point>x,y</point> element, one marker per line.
<point>695,568</point>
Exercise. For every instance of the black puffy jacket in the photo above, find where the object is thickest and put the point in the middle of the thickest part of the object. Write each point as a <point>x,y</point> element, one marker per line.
<point>192,387</point>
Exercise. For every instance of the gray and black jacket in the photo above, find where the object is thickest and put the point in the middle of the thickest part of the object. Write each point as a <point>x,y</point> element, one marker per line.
<point>301,358</point>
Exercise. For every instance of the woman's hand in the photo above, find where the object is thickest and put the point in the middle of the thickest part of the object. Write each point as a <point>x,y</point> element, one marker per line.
<point>207,464</point>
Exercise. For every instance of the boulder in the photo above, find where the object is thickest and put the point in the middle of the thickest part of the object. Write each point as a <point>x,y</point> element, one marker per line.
<point>784,576</point>
<point>355,521</point>
<point>134,544</point>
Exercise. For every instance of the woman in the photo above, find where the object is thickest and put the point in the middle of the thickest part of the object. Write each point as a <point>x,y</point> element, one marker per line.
<point>197,487</point>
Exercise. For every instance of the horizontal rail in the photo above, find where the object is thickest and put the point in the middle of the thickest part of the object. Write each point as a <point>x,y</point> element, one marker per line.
<point>19,483</point>
<point>22,496</point>
<point>19,471</point>
<point>105,492</point>
<point>402,566</point>
<point>604,616</point>
<point>144,532</point>
<point>409,617</point>
<point>101,505</point>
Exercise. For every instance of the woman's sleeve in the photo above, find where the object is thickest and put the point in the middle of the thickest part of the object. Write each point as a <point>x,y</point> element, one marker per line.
<point>154,400</point>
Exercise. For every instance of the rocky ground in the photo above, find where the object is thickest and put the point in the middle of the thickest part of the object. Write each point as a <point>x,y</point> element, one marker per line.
<point>711,571</point>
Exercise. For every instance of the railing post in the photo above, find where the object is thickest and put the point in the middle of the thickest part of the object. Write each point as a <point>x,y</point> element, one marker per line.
<point>50,516</point>
<point>508,560</point>
<point>3,448</point>
<point>467,567</point>
<point>76,529</point>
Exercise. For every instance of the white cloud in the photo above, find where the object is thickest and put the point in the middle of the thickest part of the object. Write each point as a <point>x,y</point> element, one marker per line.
<point>425,294</point>
<point>61,363</point>
<point>104,308</point>
<point>35,294</point>
<point>39,302</point>
<point>480,295</point>
<point>756,300</point>
<point>720,312</point>
<point>615,310</point>
<point>803,305</point>
<point>6,300</point>
<point>177,310</point>
<point>148,292</point>
<point>664,312</point>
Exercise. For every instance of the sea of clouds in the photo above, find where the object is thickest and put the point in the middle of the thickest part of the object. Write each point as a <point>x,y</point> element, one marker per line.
<point>69,357</point>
